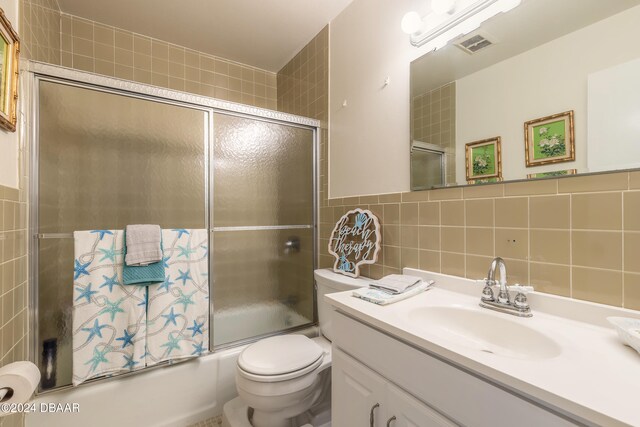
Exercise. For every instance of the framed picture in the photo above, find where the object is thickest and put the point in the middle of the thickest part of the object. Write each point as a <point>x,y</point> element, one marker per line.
<point>483,159</point>
<point>9,51</point>
<point>549,140</point>
<point>552,174</point>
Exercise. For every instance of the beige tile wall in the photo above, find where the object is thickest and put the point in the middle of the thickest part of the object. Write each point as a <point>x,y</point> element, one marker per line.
<point>40,30</point>
<point>91,46</point>
<point>58,38</point>
<point>433,120</point>
<point>574,236</point>
<point>303,88</point>
<point>14,312</point>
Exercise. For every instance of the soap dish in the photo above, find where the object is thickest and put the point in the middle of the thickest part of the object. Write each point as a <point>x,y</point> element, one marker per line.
<point>628,330</point>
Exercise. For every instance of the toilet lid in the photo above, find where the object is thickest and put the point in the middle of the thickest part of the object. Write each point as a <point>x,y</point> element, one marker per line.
<point>279,355</point>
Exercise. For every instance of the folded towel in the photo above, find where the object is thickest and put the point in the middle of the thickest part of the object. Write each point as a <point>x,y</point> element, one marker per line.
<point>143,244</point>
<point>396,283</point>
<point>383,298</point>
<point>144,274</point>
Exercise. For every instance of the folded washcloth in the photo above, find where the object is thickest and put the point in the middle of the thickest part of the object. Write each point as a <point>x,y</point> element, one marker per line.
<point>383,298</point>
<point>396,283</point>
<point>143,244</point>
<point>142,274</point>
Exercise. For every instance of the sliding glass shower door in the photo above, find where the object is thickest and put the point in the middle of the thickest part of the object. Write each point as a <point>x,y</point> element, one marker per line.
<point>263,227</point>
<point>106,160</point>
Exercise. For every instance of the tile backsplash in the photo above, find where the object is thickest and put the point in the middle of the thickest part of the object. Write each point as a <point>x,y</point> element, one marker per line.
<point>576,236</point>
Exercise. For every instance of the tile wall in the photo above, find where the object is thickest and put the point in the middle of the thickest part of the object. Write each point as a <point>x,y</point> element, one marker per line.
<point>40,30</point>
<point>576,236</point>
<point>433,120</point>
<point>303,89</point>
<point>67,40</point>
<point>14,312</point>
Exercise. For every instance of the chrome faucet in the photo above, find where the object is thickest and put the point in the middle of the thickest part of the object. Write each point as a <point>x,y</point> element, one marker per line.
<point>519,307</point>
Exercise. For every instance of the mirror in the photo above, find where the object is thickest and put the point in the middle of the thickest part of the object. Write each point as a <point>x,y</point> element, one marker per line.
<point>549,88</point>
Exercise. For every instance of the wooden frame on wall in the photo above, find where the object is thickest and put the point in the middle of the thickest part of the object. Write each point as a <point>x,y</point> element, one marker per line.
<point>9,70</point>
<point>549,140</point>
<point>483,159</point>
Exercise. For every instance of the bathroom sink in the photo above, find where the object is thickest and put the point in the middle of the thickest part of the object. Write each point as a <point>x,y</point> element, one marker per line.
<point>484,332</point>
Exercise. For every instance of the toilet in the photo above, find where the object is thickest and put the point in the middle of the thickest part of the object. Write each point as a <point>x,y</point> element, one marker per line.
<point>284,381</point>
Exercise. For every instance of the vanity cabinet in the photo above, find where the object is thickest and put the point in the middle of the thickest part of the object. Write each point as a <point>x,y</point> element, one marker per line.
<point>371,367</point>
<point>361,397</point>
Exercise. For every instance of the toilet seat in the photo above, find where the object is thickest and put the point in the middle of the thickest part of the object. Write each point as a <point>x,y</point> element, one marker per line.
<point>280,358</point>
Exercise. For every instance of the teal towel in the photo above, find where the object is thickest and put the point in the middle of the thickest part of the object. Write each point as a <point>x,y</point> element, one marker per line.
<point>141,275</point>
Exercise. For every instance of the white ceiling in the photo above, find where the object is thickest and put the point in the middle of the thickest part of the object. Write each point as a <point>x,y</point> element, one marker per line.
<point>261,33</point>
<point>531,24</point>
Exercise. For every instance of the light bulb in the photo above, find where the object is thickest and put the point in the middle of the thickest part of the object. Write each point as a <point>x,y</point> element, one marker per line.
<point>442,6</point>
<point>411,22</point>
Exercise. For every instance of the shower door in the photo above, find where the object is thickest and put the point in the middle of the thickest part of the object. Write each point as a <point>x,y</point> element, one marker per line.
<point>263,216</point>
<point>106,160</point>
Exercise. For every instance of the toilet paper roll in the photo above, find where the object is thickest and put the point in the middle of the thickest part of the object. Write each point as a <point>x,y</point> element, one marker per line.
<point>18,381</point>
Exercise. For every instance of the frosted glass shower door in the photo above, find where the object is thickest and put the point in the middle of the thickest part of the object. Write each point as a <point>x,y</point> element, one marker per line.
<point>106,160</point>
<point>263,255</point>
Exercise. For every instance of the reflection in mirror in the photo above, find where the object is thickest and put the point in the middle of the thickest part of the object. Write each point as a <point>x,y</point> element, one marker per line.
<point>528,72</point>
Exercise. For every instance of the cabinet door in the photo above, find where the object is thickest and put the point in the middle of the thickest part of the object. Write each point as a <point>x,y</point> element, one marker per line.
<point>410,412</point>
<point>356,390</point>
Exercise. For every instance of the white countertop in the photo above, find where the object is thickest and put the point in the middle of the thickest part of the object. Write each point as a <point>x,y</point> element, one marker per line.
<point>595,376</point>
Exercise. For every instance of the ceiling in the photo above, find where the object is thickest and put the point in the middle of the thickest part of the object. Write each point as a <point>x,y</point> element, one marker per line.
<point>531,24</point>
<point>264,34</point>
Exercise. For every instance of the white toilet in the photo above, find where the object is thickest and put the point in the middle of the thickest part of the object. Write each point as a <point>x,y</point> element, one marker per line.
<point>282,379</point>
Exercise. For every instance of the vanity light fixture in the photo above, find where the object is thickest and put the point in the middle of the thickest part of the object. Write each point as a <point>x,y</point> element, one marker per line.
<point>449,19</point>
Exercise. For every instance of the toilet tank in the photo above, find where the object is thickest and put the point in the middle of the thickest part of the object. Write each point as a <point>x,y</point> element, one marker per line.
<point>328,282</point>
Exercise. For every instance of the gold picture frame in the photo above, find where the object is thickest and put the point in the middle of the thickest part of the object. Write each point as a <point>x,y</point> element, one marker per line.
<point>549,140</point>
<point>9,70</point>
<point>483,159</point>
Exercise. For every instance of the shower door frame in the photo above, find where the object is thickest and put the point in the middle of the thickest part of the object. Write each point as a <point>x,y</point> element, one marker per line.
<point>38,71</point>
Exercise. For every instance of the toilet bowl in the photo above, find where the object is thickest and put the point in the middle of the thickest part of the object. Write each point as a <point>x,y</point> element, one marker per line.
<point>282,379</point>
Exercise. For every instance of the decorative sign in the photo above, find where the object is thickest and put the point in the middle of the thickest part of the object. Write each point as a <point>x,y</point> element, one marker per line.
<point>355,240</point>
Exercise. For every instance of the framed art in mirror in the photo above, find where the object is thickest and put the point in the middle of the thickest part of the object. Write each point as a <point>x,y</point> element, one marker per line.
<point>9,51</point>
<point>483,159</point>
<point>549,140</point>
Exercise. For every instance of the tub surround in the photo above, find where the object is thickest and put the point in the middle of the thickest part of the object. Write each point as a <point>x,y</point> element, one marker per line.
<point>583,350</point>
<point>62,39</point>
<point>575,236</point>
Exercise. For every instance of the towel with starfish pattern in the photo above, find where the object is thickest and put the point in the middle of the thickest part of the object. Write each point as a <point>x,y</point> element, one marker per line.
<point>109,330</point>
<point>178,308</point>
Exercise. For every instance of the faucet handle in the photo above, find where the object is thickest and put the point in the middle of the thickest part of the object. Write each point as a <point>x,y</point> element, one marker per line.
<point>487,291</point>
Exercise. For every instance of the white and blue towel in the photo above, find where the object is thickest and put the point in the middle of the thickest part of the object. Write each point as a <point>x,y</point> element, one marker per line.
<point>178,310</point>
<point>109,330</point>
<point>119,328</point>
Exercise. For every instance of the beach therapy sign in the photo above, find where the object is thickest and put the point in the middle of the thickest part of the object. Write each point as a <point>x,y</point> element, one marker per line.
<point>355,241</point>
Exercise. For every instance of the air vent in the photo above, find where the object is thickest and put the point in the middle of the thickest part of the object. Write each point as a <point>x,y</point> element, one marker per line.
<point>475,43</point>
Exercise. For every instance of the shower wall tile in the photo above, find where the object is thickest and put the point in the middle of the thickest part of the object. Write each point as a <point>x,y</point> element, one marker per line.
<point>40,30</point>
<point>51,36</point>
<point>102,49</point>
<point>303,89</point>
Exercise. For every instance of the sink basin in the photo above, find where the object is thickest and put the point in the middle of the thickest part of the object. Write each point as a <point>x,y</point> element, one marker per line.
<point>484,332</point>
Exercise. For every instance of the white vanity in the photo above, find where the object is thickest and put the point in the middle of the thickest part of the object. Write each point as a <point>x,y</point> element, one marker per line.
<point>438,359</point>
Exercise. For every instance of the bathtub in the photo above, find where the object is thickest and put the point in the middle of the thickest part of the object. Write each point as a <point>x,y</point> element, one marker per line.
<point>171,396</point>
